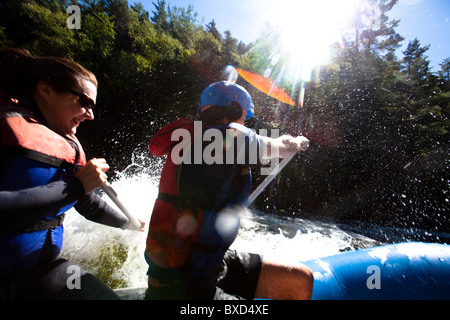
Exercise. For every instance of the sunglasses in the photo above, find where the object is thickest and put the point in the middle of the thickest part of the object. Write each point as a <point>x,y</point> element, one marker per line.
<point>84,100</point>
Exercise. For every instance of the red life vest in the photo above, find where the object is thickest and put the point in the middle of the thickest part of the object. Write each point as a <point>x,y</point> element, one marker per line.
<point>173,226</point>
<point>177,217</point>
<point>22,134</point>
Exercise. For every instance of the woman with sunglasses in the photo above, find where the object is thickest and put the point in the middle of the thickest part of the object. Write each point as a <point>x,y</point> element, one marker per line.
<point>43,173</point>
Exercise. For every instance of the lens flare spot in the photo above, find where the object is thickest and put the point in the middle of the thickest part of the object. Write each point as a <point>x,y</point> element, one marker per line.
<point>186,225</point>
<point>230,74</point>
<point>266,85</point>
<point>228,222</point>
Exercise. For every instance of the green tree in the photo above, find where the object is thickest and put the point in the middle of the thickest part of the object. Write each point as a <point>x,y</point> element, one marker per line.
<point>372,28</point>
<point>415,62</point>
<point>445,69</point>
<point>94,42</point>
<point>48,29</point>
<point>120,14</point>
<point>4,42</point>
<point>183,25</point>
<point>160,16</point>
<point>212,28</point>
<point>230,48</point>
<point>143,15</point>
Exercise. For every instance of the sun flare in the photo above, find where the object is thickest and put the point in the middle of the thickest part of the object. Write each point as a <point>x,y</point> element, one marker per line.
<point>307,29</point>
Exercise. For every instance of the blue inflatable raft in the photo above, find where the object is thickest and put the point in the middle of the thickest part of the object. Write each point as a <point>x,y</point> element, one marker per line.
<point>402,271</point>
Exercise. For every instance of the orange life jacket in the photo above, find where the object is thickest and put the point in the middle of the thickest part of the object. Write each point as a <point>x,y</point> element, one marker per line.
<point>173,226</point>
<point>24,135</point>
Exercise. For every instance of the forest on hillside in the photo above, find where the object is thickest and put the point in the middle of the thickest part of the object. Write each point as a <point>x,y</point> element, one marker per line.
<point>378,122</point>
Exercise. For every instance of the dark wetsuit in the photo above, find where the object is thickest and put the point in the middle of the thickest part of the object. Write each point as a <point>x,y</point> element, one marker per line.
<point>34,196</point>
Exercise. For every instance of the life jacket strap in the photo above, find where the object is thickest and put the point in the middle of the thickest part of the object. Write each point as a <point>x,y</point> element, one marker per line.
<point>41,225</point>
<point>39,156</point>
<point>182,203</point>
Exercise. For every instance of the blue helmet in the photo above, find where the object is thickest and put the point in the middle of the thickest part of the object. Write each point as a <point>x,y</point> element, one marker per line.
<point>223,92</point>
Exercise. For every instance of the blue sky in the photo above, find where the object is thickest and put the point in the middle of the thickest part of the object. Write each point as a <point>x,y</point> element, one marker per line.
<point>428,20</point>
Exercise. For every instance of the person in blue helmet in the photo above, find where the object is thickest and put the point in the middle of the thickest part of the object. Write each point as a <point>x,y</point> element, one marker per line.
<point>196,215</point>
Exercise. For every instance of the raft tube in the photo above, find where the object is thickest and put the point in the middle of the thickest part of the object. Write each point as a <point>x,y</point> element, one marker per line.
<point>403,271</point>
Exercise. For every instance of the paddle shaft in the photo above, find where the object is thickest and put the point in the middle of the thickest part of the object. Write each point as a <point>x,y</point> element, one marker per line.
<point>269,178</point>
<point>265,85</point>
<point>113,195</point>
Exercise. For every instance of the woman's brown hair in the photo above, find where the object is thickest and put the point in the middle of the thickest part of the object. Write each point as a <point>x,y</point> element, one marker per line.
<point>20,72</point>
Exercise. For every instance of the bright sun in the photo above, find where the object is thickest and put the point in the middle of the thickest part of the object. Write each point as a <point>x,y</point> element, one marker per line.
<point>307,30</point>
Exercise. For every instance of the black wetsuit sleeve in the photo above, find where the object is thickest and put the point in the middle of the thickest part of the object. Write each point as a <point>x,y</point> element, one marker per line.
<point>93,208</point>
<point>22,207</point>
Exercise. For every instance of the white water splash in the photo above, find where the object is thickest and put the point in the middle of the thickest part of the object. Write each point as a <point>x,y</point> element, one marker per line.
<point>117,256</point>
<point>291,240</point>
<point>110,252</point>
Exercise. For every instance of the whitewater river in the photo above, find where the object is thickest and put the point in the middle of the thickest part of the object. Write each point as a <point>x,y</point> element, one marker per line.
<point>116,256</point>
